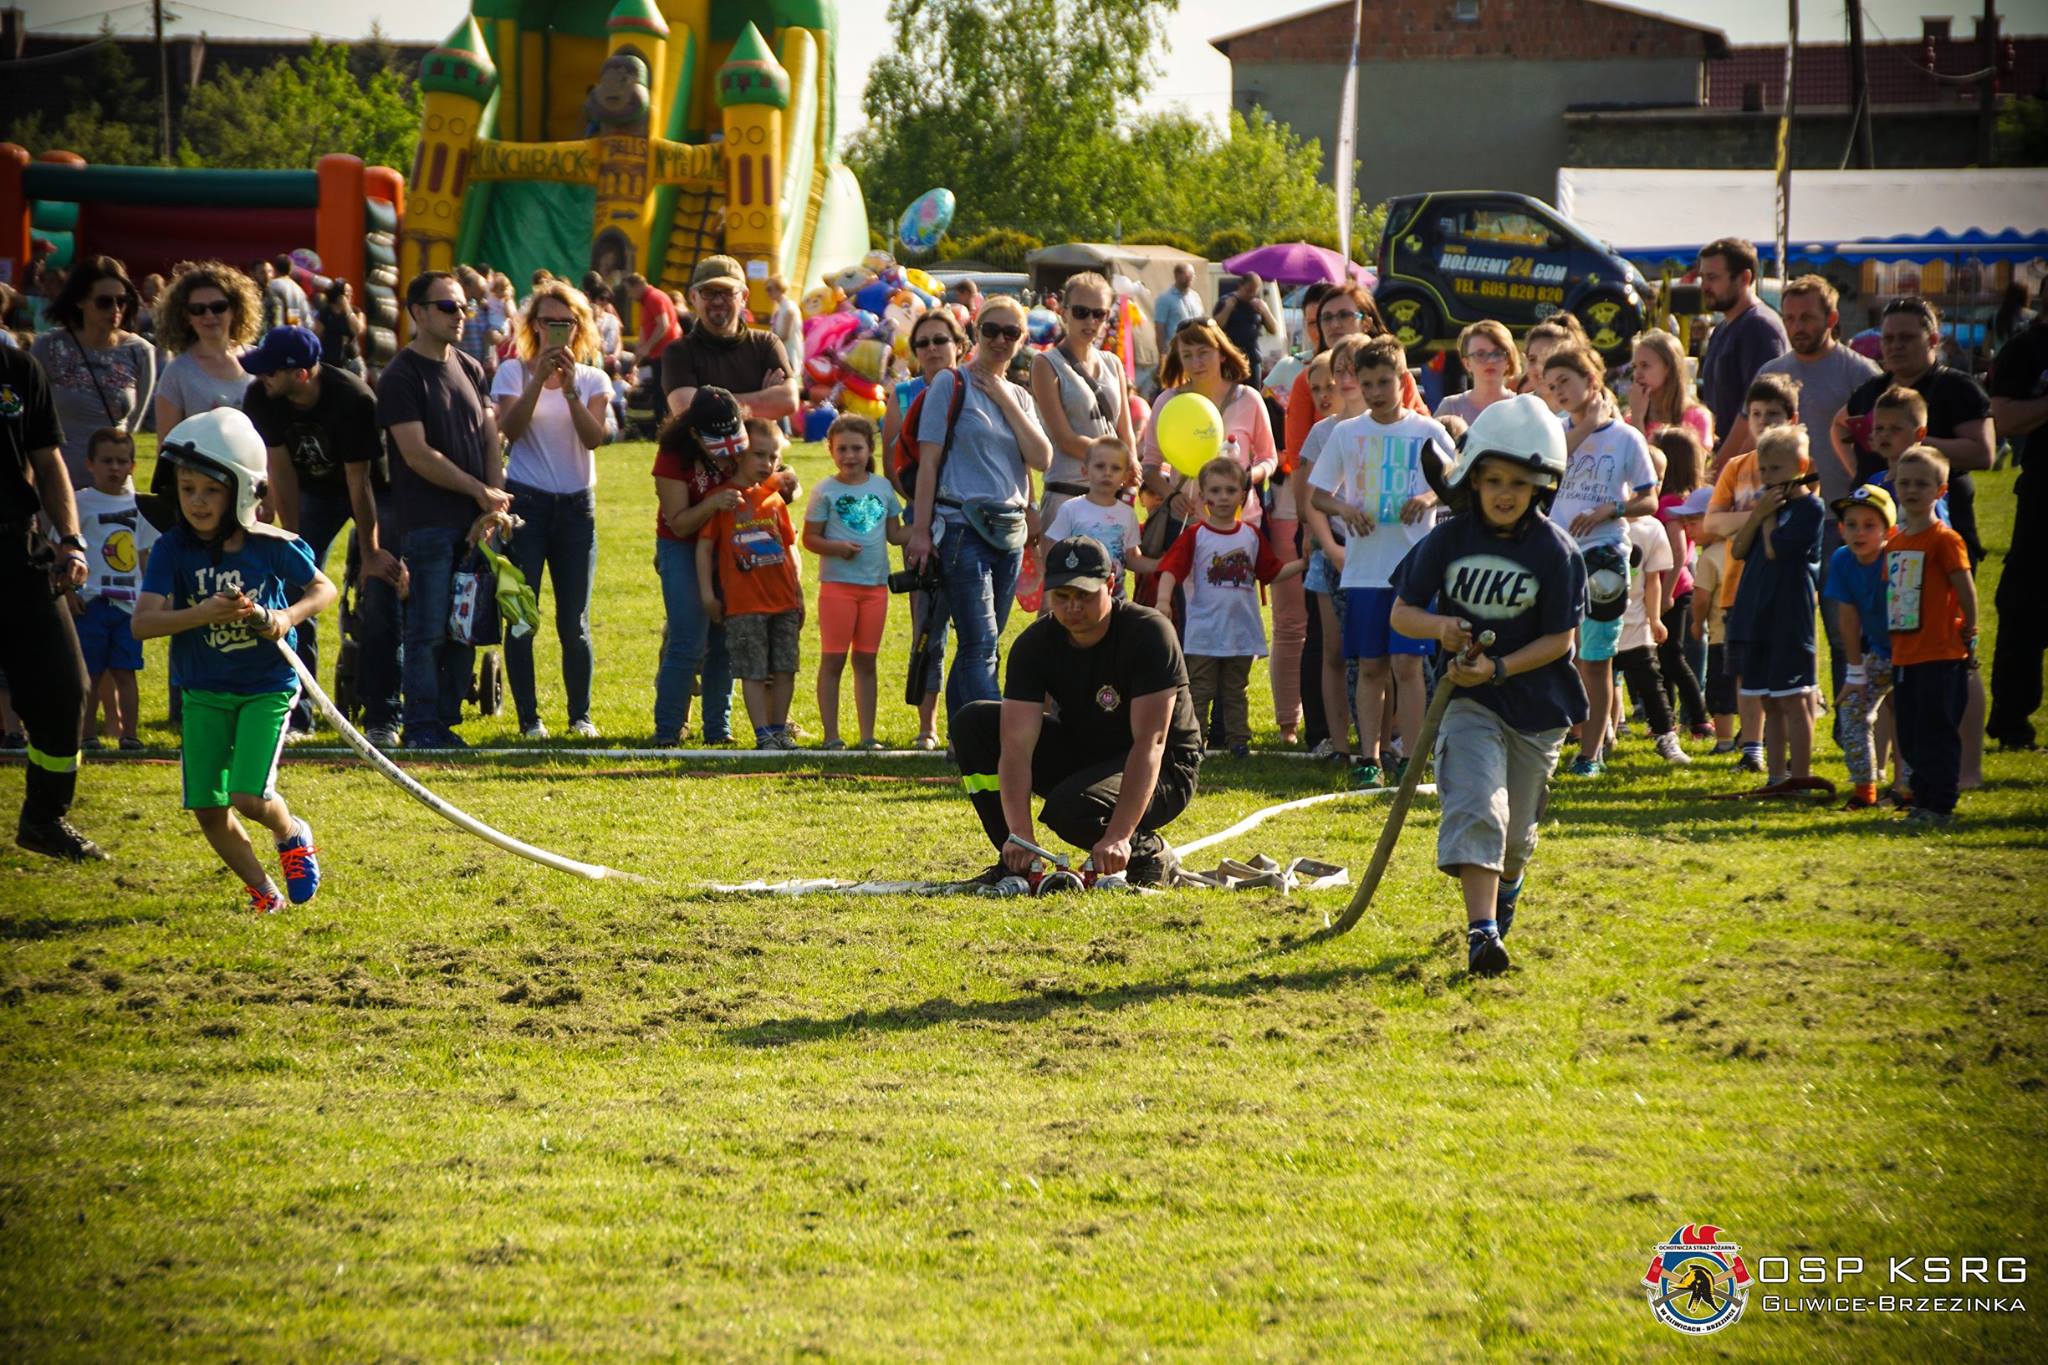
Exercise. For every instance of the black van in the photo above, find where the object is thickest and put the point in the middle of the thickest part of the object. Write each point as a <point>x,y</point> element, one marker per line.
<point>1453,258</point>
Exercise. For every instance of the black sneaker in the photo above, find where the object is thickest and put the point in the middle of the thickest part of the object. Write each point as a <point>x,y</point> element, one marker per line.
<point>1485,954</point>
<point>1152,862</point>
<point>57,838</point>
<point>989,876</point>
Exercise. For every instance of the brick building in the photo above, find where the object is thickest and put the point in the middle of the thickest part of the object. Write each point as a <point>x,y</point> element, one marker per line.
<point>1457,94</point>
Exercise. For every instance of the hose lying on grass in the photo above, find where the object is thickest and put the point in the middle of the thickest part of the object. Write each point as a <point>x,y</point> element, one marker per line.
<point>596,872</point>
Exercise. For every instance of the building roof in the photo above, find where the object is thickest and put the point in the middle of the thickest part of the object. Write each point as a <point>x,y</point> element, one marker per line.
<point>1525,30</point>
<point>1896,74</point>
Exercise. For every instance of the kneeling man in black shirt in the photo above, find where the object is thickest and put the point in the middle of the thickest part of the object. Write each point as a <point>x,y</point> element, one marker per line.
<point>1116,757</point>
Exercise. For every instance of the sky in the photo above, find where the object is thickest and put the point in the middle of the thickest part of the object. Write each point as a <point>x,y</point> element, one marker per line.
<point>1193,76</point>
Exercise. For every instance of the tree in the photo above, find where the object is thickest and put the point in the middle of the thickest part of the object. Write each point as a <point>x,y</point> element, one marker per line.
<point>1001,248</point>
<point>2023,132</point>
<point>112,119</point>
<point>1022,131</point>
<point>291,113</point>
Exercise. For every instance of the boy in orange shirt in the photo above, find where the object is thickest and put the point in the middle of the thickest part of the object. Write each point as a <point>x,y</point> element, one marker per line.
<point>1932,611</point>
<point>757,594</point>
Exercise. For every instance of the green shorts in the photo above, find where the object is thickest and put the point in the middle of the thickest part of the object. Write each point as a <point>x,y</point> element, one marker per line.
<point>232,740</point>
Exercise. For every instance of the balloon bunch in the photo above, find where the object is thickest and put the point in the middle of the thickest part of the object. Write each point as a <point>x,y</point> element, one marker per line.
<point>853,323</point>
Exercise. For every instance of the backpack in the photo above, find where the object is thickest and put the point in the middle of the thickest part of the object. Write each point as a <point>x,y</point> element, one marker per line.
<point>903,457</point>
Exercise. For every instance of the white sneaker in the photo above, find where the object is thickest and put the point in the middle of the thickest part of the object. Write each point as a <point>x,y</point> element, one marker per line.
<point>1325,748</point>
<point>1668,750</point>
<point>582,729</point>
<point>294,736</point>
<point>534,731</point>
<point>382,736</point>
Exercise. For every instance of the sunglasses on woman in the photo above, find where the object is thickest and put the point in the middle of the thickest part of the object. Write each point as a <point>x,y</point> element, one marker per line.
<point>109,300</point>
<point>1083,313</point>
<point>219,308</point>
<point>996,331</point>
<point>925,343</point>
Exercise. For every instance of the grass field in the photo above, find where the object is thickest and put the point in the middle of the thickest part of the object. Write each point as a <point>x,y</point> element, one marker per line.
<point>462,1107</point>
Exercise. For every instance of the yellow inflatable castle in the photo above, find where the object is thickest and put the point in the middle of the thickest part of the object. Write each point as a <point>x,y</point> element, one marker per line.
<point>634,135</point>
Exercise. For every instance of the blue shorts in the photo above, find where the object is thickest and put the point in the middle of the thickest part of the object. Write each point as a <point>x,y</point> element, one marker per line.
<point>1368,633</point>
<point>1599,641</point>
<point>1782,665</point>
<point>106,636</point>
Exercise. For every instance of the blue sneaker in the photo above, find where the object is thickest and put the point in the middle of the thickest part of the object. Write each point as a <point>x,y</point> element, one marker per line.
<point>1504,903</point>
<point>301,867</point>
<point>1485,954</point>
<point>1587,767</point>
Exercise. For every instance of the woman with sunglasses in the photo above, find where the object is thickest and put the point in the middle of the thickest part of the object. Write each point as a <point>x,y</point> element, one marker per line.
<point>101,374</point>
<point>973,489</point>
<point>210,314</point>
<point>1079,390</point>
<point>936,345</point>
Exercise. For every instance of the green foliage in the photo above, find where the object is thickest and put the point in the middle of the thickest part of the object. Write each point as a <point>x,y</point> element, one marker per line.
<point>1002,248</point>
<point>113,112</point>
<point>290,114</point>
<point>1179,241</point>
<point>2023,132</point>
<point>1027,135</point>
<point>1224,243</point>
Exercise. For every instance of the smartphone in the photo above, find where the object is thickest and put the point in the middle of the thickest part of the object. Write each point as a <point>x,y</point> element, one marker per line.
<point>558,333</point>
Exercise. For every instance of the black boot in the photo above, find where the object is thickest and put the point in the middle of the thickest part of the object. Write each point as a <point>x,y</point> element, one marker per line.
<point>57,838</point>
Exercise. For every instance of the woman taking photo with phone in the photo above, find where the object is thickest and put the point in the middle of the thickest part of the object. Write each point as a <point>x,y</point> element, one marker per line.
<point>551,400</point>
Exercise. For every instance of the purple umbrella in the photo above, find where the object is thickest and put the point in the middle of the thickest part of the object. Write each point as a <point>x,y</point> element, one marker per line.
<point>1289,263</point>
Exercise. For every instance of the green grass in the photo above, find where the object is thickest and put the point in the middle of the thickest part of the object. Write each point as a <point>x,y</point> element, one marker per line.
<point>463,1107</point>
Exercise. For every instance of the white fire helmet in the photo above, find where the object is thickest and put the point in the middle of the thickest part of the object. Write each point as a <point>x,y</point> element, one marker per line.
<point>1522,429</point>
<point>222,444</point>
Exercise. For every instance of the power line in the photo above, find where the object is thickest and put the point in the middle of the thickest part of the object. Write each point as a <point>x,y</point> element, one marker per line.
<point>266,23</point>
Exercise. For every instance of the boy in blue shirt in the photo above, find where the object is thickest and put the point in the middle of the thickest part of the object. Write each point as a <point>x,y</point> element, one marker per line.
<point>224,587</point>
<point>1498,563</point>
<point>1775,607</point>
<point>1855,580</point>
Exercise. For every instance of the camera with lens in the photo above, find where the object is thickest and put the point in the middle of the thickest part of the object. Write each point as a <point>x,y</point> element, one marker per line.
<point>925,579</point>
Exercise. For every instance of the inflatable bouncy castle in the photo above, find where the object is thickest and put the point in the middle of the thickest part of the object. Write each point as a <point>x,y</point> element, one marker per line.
<point>634,135</point>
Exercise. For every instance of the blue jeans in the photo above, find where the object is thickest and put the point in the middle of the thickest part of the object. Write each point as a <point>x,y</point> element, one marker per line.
<point>690,644</point>
<point>321,517</point>
<point>560,536</point>
<point>436,668</point>
<point>980,583</point>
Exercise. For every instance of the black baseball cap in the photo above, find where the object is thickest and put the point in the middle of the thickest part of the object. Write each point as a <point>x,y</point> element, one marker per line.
<point>715,415</point>
<point>1078,562</point>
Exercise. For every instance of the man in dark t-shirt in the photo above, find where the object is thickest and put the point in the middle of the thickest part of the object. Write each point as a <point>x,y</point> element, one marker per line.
<point>1750,333</point>
<point>447,475</point>
<point>722,350</point>
<point>328,467</point>
<point>1117,759</point>
<point>2019,408</point>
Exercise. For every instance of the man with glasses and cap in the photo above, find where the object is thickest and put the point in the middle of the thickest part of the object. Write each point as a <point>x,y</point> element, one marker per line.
<point>447,479</point>
<point>722,350</point>
<point>1116,754</point>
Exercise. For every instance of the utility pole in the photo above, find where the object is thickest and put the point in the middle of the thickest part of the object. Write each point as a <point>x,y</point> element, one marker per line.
<point>1861,154</point>
<point>163,88</point>
<point>1987,89</point>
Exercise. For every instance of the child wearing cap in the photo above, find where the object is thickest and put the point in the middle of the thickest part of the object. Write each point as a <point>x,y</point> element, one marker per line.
<point>693,464</point>
<point>1222,562</point>
<point>756,594</point>
<point>1931,604</point>
<point>1773,619</point>
<point>1855,582</point>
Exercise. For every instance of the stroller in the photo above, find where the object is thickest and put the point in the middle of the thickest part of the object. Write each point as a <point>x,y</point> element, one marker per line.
<point>486,682</point>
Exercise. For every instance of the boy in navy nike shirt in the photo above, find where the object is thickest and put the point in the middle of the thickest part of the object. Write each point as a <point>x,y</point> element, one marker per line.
<point>1499,564</point>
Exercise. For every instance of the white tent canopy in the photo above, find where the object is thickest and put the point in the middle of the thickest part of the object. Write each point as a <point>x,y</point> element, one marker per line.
<point>1675,212</point>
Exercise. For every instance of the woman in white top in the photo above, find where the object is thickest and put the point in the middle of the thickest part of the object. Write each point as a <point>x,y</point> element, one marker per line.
<point>1079,390</point>
<point>206,318</point>
<point>551,400</point>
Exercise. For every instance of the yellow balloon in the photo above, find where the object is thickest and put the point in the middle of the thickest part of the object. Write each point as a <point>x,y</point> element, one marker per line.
<point>1190,432</point>
<point>870,408</point>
